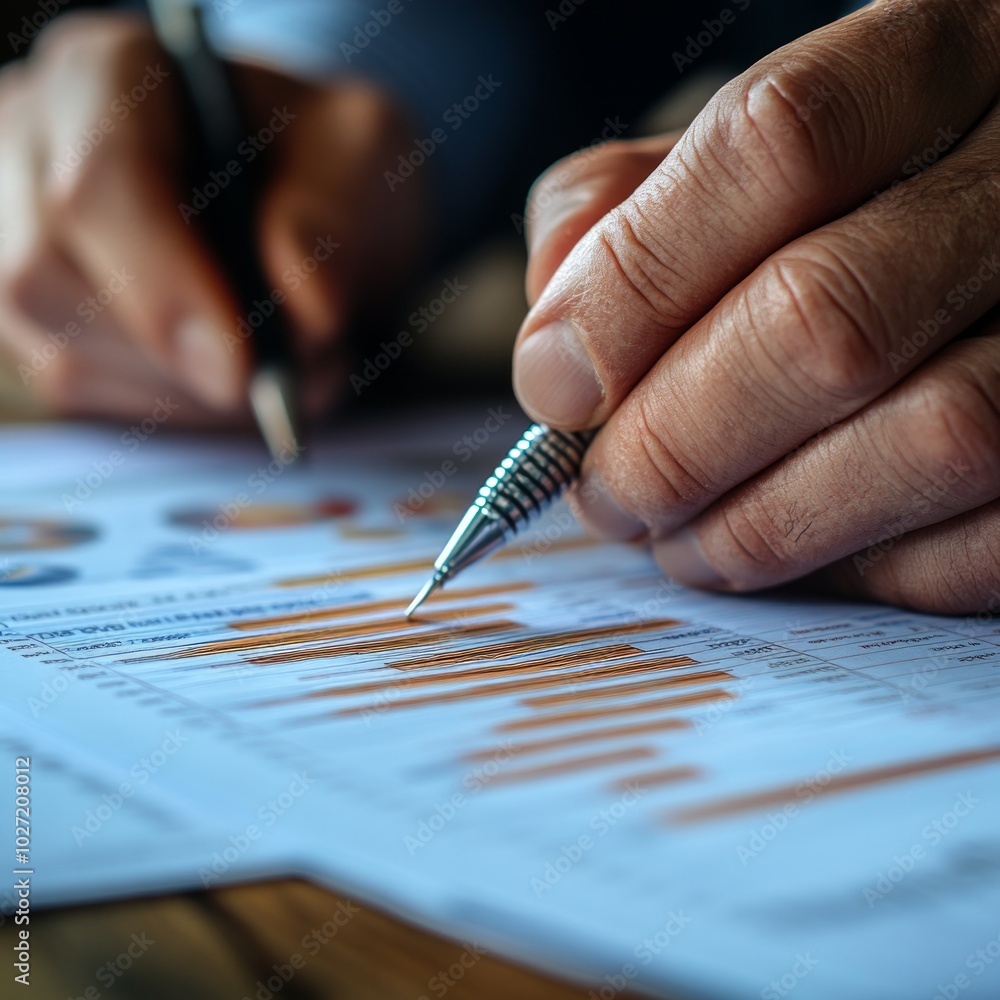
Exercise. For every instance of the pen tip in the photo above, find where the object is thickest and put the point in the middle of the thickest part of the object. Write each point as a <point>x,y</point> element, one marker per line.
<point>425,591</point>
<point>273,402</point>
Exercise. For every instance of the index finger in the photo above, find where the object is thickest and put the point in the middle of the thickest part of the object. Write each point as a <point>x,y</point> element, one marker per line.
<point>801,138</point>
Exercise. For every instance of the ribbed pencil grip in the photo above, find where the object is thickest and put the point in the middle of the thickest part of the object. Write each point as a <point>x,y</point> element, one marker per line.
<point>535,472</point>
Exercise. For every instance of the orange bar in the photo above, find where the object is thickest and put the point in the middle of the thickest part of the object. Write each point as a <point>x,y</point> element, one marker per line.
<point>533,644</point>
<point>610,733</point>
<point>373,607</point>
<point>508,687</point>
<point>575,764</point>
<point>386,645</point>
<point>652,779</point>
<point>627,690</point>
<point>840,783</point>
<point>367,534</point>
<point>359,573</point>
<point>562,545</point>
<point>582,658</point>
<point>565,718</point>
<point>564,661</point>
<point>350,630</point>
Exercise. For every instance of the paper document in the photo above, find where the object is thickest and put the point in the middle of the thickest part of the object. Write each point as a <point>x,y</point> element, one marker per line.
<point>563,758</point>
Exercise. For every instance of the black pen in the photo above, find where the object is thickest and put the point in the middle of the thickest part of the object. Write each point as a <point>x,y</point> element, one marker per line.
<point>219,128</point>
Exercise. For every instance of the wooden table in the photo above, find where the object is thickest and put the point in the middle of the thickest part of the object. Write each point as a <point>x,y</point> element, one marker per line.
<point>224,945</point>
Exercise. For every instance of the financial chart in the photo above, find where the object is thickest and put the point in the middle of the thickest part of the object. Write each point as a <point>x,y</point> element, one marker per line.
<point>563,756</point>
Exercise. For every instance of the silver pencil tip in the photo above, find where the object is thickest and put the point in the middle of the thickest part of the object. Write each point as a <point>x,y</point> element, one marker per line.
<point>425,591</point>
<point>272,400</point>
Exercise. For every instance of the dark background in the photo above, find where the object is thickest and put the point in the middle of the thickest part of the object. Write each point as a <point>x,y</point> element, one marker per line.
<point>607,59</point>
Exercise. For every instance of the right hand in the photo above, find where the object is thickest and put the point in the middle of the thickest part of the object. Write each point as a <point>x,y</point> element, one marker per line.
<point>109,298</point>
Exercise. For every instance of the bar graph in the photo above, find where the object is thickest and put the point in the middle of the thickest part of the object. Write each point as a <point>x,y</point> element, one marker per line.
<point>838,785</point>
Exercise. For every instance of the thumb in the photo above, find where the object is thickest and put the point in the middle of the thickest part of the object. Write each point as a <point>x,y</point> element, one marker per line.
<point>574,193</point>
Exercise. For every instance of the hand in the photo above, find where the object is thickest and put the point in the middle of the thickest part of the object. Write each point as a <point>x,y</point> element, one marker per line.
<point>795,374</point>
<point>109,297</point>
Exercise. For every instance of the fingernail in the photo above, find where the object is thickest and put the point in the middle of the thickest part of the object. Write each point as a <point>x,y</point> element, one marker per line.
<point>600,513</point>
<point>210,368</point>
<point>554,378</point>
<point>680,556</point>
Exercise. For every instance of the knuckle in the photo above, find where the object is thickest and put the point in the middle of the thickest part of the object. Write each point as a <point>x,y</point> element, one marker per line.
<point>829,334</point>
<point>957,431</point>
<point>915,585</point>
<point>72,197</point>
<point>87,36</point>
<point>749,549</point>
<point>945,578</point>
<point>117,172</point>
<point>634,250</point>
<point>677,481</point>
<point>24,280</point>
<point>774,120</point>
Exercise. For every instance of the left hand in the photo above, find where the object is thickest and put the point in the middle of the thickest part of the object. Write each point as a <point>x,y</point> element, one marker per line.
<point>795,375</point>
